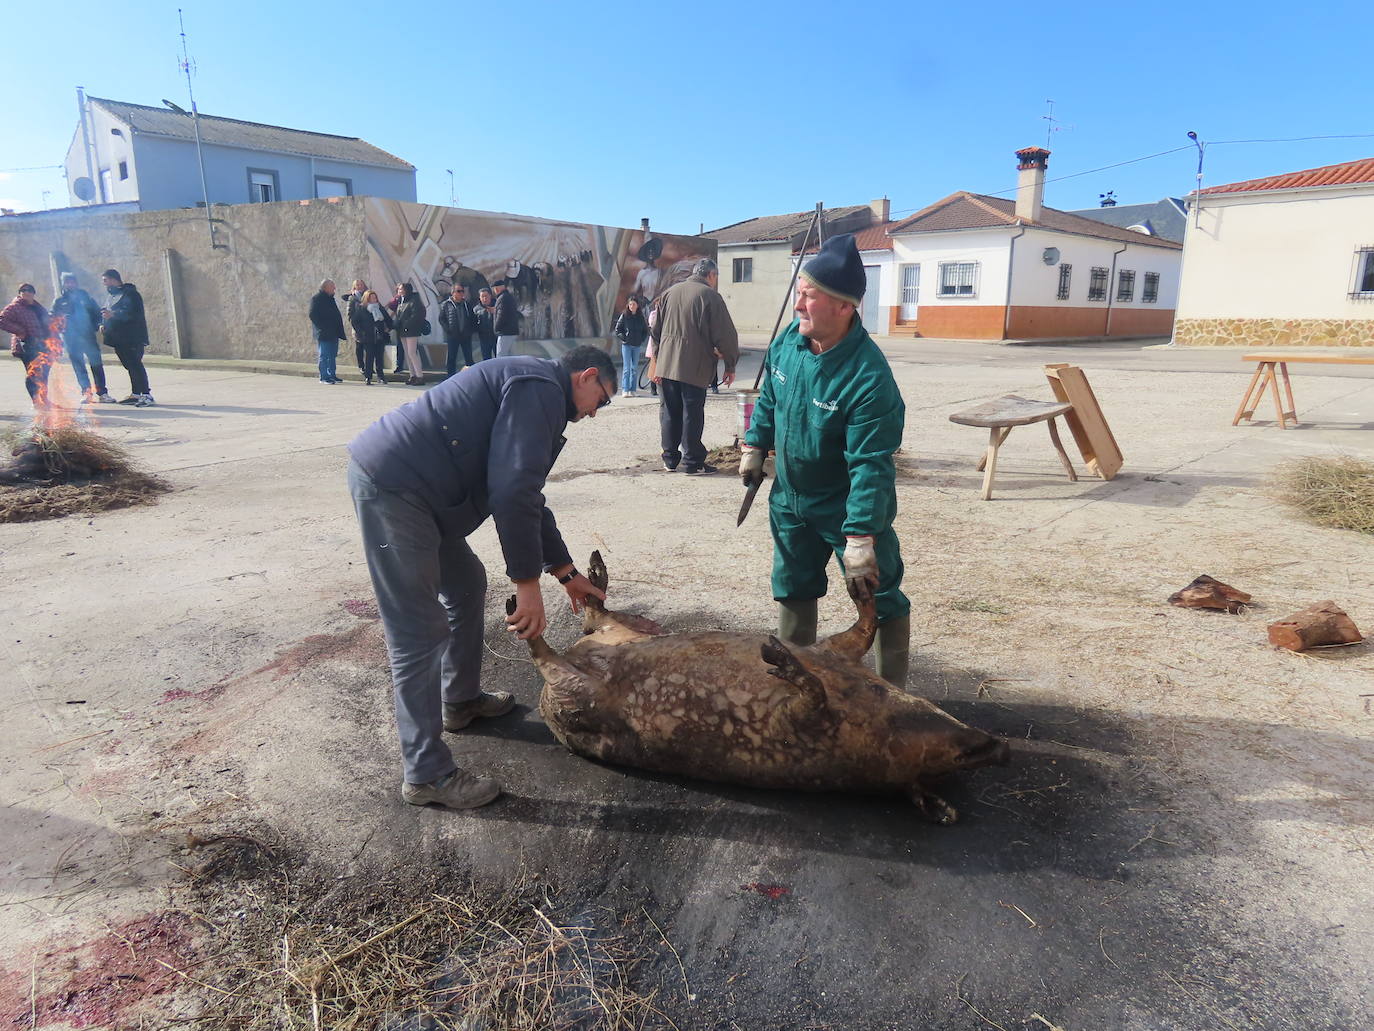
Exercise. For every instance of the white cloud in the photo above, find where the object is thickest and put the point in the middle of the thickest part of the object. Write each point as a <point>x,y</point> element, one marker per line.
<point>4,176</point>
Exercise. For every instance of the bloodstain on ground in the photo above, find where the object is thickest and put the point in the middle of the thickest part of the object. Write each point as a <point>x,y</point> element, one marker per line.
<point>361,608</point>
<point>768,891</point>
<point>97,982</point>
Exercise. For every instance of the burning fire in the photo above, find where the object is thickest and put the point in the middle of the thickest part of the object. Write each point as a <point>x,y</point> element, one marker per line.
<point>57,404</point>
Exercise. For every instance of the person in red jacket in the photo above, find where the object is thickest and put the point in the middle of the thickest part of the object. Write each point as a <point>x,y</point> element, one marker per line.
<point>28,321</point>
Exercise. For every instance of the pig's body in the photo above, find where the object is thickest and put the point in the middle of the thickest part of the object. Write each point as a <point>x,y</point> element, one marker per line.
<point>745,709</point>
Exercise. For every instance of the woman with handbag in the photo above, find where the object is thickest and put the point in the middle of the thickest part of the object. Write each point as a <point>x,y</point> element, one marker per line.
<point>372,329</point>
<point>631,329</point>
<point>411,326</point>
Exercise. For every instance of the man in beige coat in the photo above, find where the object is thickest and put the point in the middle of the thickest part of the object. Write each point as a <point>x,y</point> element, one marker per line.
<point>692,330</point>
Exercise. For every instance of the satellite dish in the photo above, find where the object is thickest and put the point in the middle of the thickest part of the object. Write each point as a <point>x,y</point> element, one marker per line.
<point>84,189</point>
<point>1050,256</point>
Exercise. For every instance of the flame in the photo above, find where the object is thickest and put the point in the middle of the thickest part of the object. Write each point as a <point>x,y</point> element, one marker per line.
<point>57,404</point>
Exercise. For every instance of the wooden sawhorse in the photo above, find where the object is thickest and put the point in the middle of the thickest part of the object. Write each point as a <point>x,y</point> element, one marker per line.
<point>1000,415</point>
<point>1264,377</point>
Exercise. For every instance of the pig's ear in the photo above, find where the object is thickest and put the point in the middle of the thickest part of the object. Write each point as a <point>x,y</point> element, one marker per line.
<point>786,666</point>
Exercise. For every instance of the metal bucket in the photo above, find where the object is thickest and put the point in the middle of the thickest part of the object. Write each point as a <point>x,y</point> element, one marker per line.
<point>747,400</point>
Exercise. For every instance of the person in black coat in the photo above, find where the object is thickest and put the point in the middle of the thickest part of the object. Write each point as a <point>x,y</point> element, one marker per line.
<point>458,324</point>
<point>410,326</point>
<point>372,324</point>
<point>506,317</point>
<point>483,311</point>
<point>126,330</point>
<point>632,330</point>
<point>327,328</point>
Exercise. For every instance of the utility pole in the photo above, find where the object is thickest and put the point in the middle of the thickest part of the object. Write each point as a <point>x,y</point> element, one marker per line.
<point>452,199</point>
<point>195,122</point>
<point>1197,195</point>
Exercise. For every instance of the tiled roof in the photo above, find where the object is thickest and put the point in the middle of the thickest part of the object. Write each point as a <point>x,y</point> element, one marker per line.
<point>1347,174</point>
<point>230,132</point>
<point>1166,219</point>
<point>779,228</point>
<point>874,238</point>
<point>965,210</point>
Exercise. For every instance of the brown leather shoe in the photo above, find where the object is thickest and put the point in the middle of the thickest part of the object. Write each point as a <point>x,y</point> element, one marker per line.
<point>485,705</point>
<point>459,790</point>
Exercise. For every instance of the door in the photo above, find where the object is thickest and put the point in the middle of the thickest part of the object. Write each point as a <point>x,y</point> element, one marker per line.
<point>911,292</point>
<point>869,314</point>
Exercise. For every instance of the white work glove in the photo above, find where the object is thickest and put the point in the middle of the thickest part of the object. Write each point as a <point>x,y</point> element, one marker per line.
<point>751,465</point>
<point>860,561</point>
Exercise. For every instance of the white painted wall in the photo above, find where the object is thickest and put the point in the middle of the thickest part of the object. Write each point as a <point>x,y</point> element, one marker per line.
<point>1277,254</point>
<point>754,305</point>
<point>1036,284</point>
<point>987,247</point>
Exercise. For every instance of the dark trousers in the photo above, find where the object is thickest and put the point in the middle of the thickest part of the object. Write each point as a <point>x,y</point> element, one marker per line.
<point>370,358</point>
<point>131,357</point>
<point>488,346</point>
<point>466,344</point>
<point>681,418</point>
<point>37,364</point>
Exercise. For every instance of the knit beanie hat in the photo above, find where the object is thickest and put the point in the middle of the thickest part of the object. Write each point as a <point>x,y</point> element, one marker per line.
<point>837,269</point>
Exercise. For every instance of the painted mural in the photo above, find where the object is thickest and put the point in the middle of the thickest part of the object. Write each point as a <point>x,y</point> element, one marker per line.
<point>569,279</point>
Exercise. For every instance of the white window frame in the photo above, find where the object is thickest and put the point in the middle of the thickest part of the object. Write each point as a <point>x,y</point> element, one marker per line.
<point>1362,286</point>
<point>973,275</point>
<point>254,183</point>
<point>347,185</point>
<point>742,270</point>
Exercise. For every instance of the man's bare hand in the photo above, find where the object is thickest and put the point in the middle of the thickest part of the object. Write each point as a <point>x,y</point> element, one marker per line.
<point>528,620</point>
<point>727,379</point>
<point>579,589</point>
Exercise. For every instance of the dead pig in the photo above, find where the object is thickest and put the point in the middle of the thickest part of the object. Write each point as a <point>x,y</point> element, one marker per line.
<point>747,709</point>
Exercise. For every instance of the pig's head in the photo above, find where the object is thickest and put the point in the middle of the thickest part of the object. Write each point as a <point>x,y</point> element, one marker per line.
<point>926,743</point>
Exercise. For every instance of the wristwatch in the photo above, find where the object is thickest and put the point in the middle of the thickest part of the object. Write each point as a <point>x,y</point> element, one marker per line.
<point>569,576</point>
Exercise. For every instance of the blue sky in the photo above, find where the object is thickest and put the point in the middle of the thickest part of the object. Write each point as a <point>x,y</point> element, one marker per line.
<point>711,113</point>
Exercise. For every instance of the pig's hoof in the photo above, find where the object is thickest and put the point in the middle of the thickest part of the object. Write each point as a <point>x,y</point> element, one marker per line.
<point>934,808</point>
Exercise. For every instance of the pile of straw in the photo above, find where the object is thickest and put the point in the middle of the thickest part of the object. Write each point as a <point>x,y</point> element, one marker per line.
<point>384,955</point>
<point>1336,492</point>
<point>47,473</point>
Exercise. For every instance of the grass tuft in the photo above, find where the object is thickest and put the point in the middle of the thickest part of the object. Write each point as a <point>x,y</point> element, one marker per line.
<point>1336,492</point>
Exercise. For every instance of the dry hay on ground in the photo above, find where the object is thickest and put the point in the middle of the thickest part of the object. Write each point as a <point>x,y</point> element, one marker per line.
<point>1336,492</point>
<point>294,949</point>
<point>53,473</point>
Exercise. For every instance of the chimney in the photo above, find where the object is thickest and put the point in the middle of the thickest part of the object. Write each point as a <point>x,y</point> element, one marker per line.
<point>881,209</point>
<point>644,226</point>
<point>1030,182</point>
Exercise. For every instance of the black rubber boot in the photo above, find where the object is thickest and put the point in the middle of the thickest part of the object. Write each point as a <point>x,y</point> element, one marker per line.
<point>797,621</point>
<point>894,649</point>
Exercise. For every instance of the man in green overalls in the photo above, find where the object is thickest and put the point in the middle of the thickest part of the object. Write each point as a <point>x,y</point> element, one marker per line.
<point>831,410</point>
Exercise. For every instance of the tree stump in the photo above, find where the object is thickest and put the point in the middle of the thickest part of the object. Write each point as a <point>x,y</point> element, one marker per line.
<point>1322,623</point>
<point>1207,593</point>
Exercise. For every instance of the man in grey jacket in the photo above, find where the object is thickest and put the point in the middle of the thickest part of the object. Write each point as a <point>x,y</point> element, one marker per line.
<point>692,329</point>
<point>425,476</point>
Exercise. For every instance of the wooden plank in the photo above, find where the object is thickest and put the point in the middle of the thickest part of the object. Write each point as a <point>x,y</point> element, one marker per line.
<point>1010,410</point>
<point>1331,359</point>
<point>1086,421</point>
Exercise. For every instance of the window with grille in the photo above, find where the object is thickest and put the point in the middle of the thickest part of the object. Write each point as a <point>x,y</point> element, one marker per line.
<point>1149,293</point>
<point>742,270</point>
<point>1097,285</point>
<point>1125,285</point>
<point>1065,276</point>
<point>1364,273</point>
<point>958,279</point>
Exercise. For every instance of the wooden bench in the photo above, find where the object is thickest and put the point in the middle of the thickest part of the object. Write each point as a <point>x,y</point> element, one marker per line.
<point>1000,415</point>
<point>1264,377</point>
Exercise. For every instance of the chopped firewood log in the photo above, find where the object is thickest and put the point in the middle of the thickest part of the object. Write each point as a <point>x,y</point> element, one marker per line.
<point>1207,593</point>
<point>1322,623</point>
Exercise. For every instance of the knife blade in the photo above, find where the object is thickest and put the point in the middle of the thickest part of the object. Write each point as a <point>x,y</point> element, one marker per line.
<point>748,500</point>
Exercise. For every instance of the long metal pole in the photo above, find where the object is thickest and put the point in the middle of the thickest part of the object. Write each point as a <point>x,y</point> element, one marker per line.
<point>195,124</point>
<point>796,271</point>
<point>85,137</point>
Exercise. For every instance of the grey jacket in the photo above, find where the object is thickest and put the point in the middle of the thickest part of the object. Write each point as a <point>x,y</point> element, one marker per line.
<point>693,322</point>
<point>477,445</point>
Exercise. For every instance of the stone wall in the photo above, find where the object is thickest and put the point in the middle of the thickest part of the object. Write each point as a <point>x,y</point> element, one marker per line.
<point>1222,332</point>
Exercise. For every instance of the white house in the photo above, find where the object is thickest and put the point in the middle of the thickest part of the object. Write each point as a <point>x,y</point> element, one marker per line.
<point>756,258</point>
<point>1284,261</point>
<point>132,154</point>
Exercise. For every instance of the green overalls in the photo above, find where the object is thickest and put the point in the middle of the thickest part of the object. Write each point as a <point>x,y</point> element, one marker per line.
<point>834,419</point>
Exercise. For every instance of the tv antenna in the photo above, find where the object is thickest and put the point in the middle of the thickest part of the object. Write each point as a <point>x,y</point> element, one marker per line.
<point>1054,125</point>
<point>187,67</point>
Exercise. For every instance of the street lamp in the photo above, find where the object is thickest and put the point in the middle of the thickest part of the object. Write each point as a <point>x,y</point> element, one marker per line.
<point>452,200</point>
<point>1197,196</point>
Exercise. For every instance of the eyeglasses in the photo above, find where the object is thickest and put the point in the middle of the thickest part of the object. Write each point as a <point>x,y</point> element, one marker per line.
<point>605,398</point>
